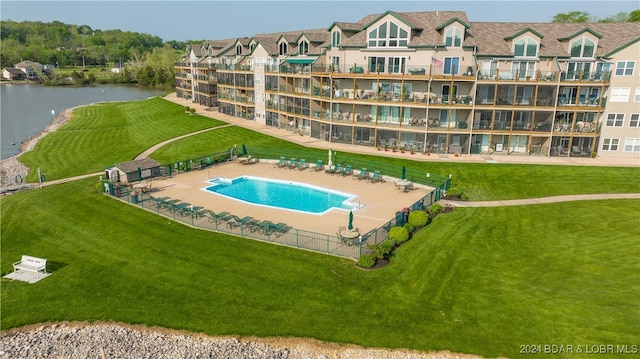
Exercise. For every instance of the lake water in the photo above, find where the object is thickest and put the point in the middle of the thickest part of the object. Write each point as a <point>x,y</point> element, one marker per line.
<point>25,110</point>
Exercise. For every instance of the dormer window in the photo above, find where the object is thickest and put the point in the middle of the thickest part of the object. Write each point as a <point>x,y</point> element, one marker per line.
<point>526,47</point>
<point>583,48</point>
<point>238,50</point>
<point>388,34</point>
<point>453,37</point>
<point>303,48</point>
<point>283,48</point>
<point>335,39</point>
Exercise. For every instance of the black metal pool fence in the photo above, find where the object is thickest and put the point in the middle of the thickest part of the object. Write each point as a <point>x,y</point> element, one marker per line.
<point>292,237</point>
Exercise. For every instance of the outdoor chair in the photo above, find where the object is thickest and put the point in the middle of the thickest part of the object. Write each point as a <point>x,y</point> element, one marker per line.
<point>346,171</point>
<point>376,177</point>
<point>319,166</point>
<point>333,170</point>
<point>302,164</point>
<point>219,217</point>
<point>292,163</point>
<point>280,229</point>
<point>362,175</point>
<point>280,163</point>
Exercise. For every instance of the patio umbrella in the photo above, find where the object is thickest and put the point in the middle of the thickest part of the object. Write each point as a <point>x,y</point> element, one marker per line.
<point>329,162</point>
<point>404,173</point>
<point>244,150</point>
<point>350,220</point>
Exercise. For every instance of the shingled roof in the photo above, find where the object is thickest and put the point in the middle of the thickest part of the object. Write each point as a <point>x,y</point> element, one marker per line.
<point>132,166</point>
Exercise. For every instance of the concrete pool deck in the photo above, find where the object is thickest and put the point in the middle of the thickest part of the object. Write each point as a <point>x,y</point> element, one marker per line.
<point>380,201</point>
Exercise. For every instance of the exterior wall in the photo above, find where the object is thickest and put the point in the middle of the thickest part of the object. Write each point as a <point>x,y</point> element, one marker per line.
<point>628,108</point>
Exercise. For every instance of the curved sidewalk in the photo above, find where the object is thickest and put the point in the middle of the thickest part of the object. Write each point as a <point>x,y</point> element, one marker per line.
<point>541,200</point>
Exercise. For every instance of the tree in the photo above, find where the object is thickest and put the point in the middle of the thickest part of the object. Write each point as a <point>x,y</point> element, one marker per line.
<point>572,17</point>
<point>634,16</point>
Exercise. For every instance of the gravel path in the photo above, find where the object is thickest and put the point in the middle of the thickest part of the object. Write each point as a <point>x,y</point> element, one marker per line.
<point>81,340</point>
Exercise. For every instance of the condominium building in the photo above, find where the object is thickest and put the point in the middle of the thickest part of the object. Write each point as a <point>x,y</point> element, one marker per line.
<point>433,82</point>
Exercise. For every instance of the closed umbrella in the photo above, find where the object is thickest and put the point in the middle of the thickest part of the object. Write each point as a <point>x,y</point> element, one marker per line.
<point>329,162</point>
<point>350,220</point>
<point>244,150</point>
<point>404,173</point>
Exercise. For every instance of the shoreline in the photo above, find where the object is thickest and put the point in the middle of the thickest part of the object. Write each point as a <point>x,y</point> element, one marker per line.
<point>11,167</point>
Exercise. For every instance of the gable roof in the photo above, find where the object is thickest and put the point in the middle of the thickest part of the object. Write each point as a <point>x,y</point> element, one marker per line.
<point>132,166</point>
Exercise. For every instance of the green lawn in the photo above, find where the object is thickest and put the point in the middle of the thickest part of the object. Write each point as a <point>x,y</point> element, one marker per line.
<point>101,135</point>
<point>477,280</point>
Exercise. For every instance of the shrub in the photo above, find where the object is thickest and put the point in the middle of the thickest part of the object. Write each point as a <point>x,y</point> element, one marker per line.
<point>187,109</point>
<point>464,197</point>
<point>418,218</point>
<point>398,234</point>
<point>454,191</point>
<point>192,110</point>
<point>409,227</point>
<point>435,208</point>
<point>382,250</point>
<point>367,260</point>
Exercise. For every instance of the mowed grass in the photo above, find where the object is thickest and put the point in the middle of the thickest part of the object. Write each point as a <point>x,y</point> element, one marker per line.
<point>101,135</point>
<point>477,280</point>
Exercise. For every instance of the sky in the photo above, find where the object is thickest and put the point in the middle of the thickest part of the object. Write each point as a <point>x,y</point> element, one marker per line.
<point>211,20</point>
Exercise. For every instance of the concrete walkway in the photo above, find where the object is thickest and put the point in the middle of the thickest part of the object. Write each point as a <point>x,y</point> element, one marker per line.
<point>552,199</point>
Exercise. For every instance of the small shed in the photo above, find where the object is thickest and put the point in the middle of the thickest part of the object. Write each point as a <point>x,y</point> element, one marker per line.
<point>132,171</point>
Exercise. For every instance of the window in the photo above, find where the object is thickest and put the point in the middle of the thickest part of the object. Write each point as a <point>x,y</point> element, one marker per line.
<point>625,68</point>
<point>388,34</point>
<point>238,49</point>
<point>376,64</point>
<point>524,68</point>
<point>582,48</point>
<point>634,120</point>
<point>283,48</point>
<point>396,65</point>
<point>451,65</point>
<point>449,92</point>
<point>632,145</point>
<point>526,46</point>
<point>615,119</point>
<point>335,38</point>
<point>252,47</point>
<point>303,48</point>
<point>610,144</point>
<point>574,68</point>
<point>453,37</point>
<point>620,94</point>
<point>636,98</point>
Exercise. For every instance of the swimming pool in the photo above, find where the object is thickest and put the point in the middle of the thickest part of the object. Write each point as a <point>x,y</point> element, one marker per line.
<point>289,195</point>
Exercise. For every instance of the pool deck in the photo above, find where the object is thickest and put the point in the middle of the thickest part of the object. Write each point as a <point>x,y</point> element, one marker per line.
<point>380,201</point>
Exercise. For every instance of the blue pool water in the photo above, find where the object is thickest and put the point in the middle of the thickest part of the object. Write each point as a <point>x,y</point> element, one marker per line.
<point>282,194</point>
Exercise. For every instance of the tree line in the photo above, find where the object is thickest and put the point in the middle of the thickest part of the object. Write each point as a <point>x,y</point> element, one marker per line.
<point>147,60</point>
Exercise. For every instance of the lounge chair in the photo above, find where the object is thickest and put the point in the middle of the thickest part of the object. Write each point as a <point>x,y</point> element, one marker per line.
<point>346,171</point>
<point>319,166</point>
<point>281,162</point>
<point>219,217</point>
<point>302,164</point>
<point>236,221</point>
<point>376,177</point>
<point>277,229</point>
<point>292,163</point>
<point>253,225</point>
<point>333,170</point>
<point>362,175</point>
